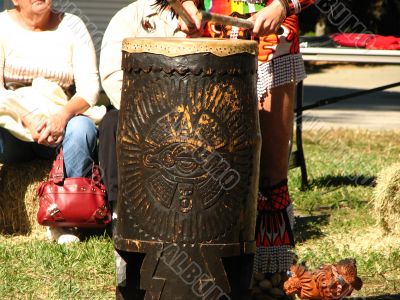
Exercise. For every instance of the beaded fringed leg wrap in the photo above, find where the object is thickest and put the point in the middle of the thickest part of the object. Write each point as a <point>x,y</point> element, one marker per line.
<point>274,236</point>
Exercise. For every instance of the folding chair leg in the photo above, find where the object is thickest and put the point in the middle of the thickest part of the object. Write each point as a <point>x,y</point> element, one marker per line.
<point>299,139</point>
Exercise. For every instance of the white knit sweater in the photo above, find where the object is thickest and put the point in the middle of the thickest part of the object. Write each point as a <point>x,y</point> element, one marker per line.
<point>64,55</point>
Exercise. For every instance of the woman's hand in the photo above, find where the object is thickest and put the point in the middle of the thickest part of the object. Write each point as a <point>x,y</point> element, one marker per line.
<point>191,9</point>
<point>32,122</point>
<point>52,129</point>
<point>269,19</point>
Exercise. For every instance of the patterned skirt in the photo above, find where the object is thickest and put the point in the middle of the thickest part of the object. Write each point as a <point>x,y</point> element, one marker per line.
<point>279,71</point>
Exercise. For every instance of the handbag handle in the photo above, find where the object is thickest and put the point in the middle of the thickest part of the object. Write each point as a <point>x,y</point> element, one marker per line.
<point>57,171</point>
<point>96,175</point>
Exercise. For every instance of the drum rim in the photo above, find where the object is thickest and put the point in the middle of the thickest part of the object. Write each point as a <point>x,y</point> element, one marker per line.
<point>184,46</point>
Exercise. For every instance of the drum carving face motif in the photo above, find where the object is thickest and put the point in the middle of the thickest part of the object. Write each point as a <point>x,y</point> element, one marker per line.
<point>179,152</point>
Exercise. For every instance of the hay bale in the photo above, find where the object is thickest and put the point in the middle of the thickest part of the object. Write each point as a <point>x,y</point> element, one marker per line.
<point>387,199</point>
<point>18,200</point>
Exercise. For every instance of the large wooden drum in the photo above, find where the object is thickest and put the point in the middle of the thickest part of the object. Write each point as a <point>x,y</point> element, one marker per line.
<point>188,148</point>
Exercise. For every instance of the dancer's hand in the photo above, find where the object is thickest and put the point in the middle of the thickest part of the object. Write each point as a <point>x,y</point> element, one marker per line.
<point>269,19</point>
<point>191,9</point>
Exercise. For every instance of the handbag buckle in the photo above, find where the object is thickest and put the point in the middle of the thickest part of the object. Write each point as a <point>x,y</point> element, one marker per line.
<point>53,210</point>
<point>101,212</point>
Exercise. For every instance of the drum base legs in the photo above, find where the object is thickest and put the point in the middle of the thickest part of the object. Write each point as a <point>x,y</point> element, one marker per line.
<point>239,271</point>
<point>199,273</point>
<point>129,288</point>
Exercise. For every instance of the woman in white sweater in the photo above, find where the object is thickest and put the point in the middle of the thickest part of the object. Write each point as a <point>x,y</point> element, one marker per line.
<point>38,42</point>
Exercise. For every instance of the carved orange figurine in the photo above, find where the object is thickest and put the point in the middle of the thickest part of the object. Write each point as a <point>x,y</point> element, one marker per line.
<point>328,282</point>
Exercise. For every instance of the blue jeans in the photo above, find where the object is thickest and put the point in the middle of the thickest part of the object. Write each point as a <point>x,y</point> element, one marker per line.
<point>79,145</point>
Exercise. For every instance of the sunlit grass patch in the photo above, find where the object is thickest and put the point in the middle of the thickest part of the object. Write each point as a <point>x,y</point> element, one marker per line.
<point>343,166</point>
<point>37,269</point>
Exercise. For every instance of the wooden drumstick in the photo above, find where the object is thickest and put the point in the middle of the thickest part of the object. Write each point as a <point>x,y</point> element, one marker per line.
<point>211,17</point>
<point>225,20</point>
<point>228,20</point>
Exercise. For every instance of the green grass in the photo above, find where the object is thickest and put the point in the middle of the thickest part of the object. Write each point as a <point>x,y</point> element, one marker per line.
<point>35,269</point>
<point>335,221</point>
<point>342,167</point>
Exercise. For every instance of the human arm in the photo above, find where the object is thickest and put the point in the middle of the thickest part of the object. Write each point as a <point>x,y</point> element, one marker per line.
<point>191,8</point>
<point>123,24</point>
<point>84,65</point>
<point>86,84</point>
<point>297,6</point>
<point>269,19</point>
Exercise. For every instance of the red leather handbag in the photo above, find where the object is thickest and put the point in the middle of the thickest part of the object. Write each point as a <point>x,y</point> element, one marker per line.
<point>72,202</point>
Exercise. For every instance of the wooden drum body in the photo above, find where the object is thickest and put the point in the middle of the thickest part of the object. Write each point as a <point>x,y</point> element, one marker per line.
<point>188,151</point>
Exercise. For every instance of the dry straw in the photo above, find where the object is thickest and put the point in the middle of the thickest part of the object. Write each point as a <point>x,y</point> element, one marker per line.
<point>387,199</point>
<point>18,201</point>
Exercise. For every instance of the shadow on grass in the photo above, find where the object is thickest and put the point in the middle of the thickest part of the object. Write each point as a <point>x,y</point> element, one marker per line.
<point>309,227</point>
<point>383,297</point>
<point>349,180</point>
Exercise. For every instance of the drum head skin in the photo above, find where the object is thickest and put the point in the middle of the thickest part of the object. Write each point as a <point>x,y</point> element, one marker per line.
<point>183,46</point>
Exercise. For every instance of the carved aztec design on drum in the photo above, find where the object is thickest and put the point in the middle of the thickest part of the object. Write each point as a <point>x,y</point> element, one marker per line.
<point>179,175</point>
